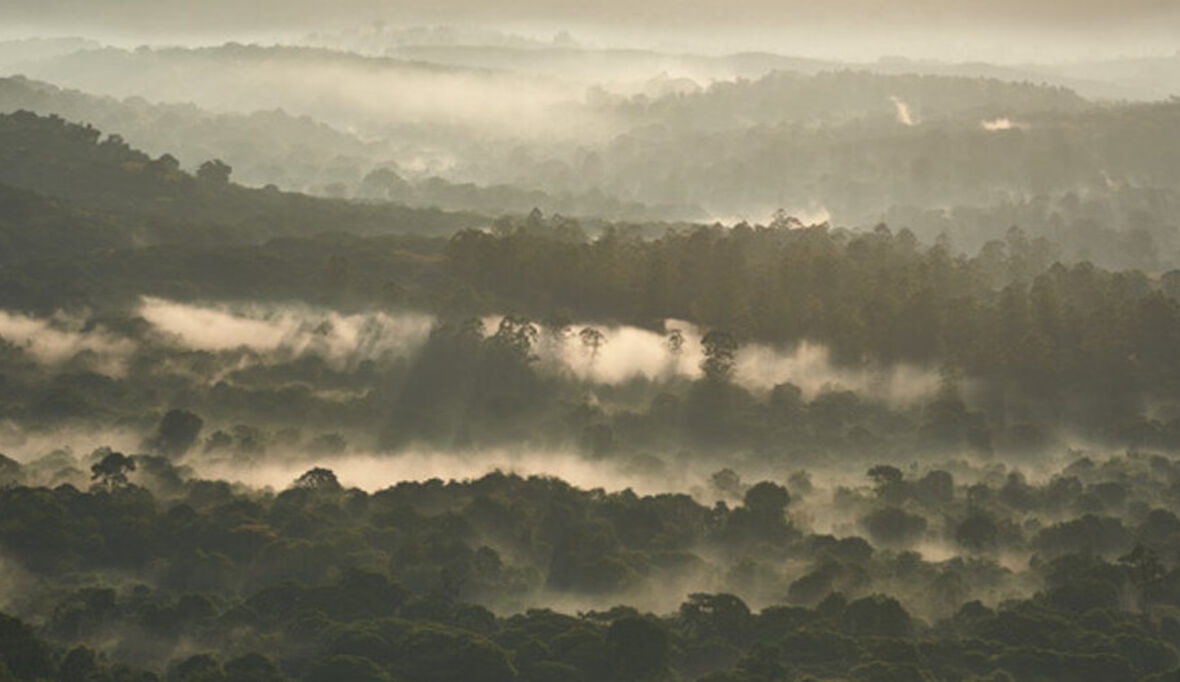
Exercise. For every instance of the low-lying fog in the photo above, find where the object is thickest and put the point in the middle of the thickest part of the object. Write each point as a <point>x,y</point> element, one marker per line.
<point>826,500</point>
<point>234,337</point>
<point>188,345</point>
<point>269,334</point>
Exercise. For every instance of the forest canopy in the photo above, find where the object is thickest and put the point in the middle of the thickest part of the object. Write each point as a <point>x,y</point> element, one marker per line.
<point>428,354</point>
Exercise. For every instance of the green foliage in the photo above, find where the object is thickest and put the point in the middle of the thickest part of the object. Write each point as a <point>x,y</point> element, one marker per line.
<point>111,472</point>
<point>154,198</point>
<point>341,667</point>
<point>877,615</point>
<point>388,589</point>
<point>639,648</point>
<point>178,431</point>
<point>22,653</point>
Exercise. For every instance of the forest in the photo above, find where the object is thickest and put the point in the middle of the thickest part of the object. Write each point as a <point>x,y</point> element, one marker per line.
<point>431,353</point>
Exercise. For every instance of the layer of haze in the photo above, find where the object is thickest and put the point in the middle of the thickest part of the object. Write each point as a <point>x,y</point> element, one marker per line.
<point>928,28</point>
<point>281,333</point>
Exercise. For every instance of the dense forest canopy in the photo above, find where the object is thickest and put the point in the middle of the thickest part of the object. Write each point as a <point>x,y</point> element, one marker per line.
<point>436,354</point>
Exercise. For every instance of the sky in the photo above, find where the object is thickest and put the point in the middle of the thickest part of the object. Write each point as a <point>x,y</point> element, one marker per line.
<point>216,12</point>
<point>986,28</point>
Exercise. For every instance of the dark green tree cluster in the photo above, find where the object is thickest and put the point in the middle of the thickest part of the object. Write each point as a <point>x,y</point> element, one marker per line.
<point>1040,334</point>
<point>153,200</point>
<point>323,582</point>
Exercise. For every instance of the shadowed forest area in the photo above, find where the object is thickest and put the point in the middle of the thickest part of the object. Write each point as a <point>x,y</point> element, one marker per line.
<point>438,354</point>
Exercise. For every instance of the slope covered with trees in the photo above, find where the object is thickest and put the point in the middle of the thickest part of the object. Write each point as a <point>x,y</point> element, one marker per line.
<point>50,156</point>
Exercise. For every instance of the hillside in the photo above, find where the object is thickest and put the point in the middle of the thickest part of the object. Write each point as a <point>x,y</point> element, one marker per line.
<point>55,158</point>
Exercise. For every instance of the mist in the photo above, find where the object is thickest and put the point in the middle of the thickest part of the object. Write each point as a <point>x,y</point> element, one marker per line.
<point>285,332</point>
<point>53,341</point>
<point>963,30</point>
<point>350,92</point>
<point>643,342</point>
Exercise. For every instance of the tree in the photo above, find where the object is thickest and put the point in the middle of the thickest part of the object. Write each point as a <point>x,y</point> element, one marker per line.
<point>1145,568</point>
<point>720,353</point>
<point>516,334</point>
<point>786,402</point>
<point>178,431</point>
<point>727,481</point>
<point>639,648</point>
<point>674,341</point>
<point>763,662</point>
<point>352,668</point>
<point>882,671</point>
<point>10,471</point>
<point>81,665</point>
<point>26,657</point>
<point>215,172</point>
<point>721,615</point>
<point>890,484</point>
<point>936,488</point>
<point>253,667</point>
<point>977,532</point>
<point>893,526</point>
<point>883,474</point>
<point>385,183</point>
<point>111,472</point>
<point>879,616</point>
<point>166,166</point>
<point>318,479</point>
<point>592,341</point>
<point>198,668</point>
<point>436,654</point>
<point>767,499</point>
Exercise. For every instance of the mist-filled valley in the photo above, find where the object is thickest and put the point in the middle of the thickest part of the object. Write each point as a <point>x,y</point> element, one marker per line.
<point>520,343</point>
<point>643,136</point>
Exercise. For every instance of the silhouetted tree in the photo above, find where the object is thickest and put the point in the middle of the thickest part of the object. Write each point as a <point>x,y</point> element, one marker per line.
<point>178,431</point>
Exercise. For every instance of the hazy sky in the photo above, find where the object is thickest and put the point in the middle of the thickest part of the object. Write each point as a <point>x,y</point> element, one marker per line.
<point>301,11</point>
<point>993,27</point>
